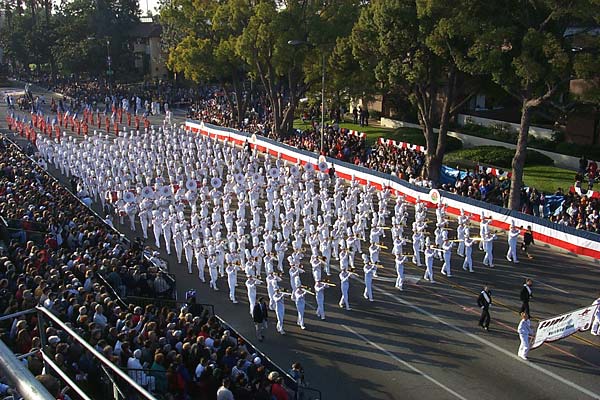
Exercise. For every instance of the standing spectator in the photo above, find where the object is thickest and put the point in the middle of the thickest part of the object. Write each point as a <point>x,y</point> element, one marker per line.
<point>224,393</point>
<point>260,315</point>
<point>277,390</point>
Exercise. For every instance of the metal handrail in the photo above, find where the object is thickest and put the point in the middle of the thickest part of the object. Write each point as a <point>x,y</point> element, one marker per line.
<point>18,314</point>
<point>64,377</point>
<point>113,291</point>
<point>97,355</point>
<point>25,383</point>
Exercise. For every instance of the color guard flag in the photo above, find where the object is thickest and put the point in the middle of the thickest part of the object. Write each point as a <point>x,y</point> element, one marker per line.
<point>565,325</point>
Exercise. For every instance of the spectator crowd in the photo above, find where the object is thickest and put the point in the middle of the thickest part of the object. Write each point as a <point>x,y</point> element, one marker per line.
<point>75,271</point>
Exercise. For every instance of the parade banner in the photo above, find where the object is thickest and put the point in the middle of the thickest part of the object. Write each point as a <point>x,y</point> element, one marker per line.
<point>565,325</point>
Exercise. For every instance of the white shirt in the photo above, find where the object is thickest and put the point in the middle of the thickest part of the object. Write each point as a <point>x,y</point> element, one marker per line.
<point>224,394</point>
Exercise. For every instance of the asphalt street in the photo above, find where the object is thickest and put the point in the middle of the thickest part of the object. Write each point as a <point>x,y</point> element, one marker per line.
<point>424,342</point>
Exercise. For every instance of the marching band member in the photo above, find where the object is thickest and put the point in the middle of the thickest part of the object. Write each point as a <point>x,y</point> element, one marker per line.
<point>488,247</point>
<point>231,281</point>
<point>460,236</point>
<point>278,299</point>
<point>484,228</point>
<point>200,254</point>
<point>468,253</point>
<point>157,226</point>
<point>188,246</point>
<point>399,260</point>
<point>417,238</point>
<point>429,256</point>
<point>320,296</point>
<point>369,269</point>
<point>251,283</point>
<point>298,296</point>
<point>345,276</point>
<point>213,272</point>
<point>447,254</point>
<point>513,237</point>
<point>272,285</point>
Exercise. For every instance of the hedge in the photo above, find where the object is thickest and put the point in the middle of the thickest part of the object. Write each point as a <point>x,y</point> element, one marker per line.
<point>496,156</point>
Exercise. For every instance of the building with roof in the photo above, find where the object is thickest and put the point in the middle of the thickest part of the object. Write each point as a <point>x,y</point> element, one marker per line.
<point>149,58</point>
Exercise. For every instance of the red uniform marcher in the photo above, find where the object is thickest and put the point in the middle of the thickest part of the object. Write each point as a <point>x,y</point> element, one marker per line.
<point>137,123</point>
<point>107,123</point>
<point>128,119</point>
<point>146,123</point>
<point>85,128</point>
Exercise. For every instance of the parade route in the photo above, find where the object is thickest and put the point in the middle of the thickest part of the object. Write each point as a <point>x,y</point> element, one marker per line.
<point>424,342</point>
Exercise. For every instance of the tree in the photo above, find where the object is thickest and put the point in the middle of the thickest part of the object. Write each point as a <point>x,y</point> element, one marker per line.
<point>394,39</point>
<point>525,49</point>
<point>263,45</point>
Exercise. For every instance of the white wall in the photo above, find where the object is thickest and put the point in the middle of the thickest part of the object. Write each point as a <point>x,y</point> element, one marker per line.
<point>560,160</point>
<point>540,133</point>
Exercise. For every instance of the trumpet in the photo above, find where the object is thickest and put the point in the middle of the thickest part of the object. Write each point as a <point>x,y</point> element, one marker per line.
<point>382,246</point>
<point>328,283</point>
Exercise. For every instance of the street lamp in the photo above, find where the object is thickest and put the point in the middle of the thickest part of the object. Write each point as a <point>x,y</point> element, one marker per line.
<point>109,62</point>
<point>303,42</point>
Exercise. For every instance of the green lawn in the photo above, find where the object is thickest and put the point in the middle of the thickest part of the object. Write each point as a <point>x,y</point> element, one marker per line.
<point>548,179</point>
<point>373,132</point>
<point>544,178</point>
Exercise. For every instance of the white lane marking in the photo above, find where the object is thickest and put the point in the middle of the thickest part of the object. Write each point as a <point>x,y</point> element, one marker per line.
<point>550,286</point>
<point>406,364</point>
<point>492,345</point>
<point>537,281</point>
<point>407,279</point>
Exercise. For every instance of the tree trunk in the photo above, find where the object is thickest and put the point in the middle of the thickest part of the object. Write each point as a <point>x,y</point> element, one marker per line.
<point>518,162</point>
<point>240,108</point>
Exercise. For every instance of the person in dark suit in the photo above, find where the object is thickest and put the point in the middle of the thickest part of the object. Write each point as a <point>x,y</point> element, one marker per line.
<point>484,301</point>
<point>527,241</point>
<point>526,295</point>
<point>259,315</point>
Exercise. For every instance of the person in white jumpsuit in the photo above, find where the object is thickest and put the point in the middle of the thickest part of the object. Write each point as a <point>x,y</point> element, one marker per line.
<point>524,330</point>
<point>251,283</point>
<point>447,254</point>
<point>488,247</point>
<point>369,269</point>
<point>399,261</point>
<point>345,276</point>
<point>299,294</point>
<point>429,256</point>
<point>513,238</point>
<point>468,262</point>
<point>278,298</point>
<point>320,296</point>
<point>231,281</point>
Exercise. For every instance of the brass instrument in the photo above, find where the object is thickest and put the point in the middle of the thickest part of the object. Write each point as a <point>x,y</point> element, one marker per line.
<point>382,246</point>
<point>328,283</point>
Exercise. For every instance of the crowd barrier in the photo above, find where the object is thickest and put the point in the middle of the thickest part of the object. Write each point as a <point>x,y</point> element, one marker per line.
<point>567,238</point>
